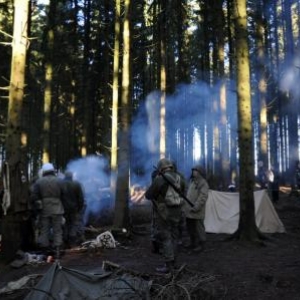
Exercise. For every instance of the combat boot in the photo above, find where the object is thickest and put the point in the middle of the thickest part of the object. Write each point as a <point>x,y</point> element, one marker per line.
<point>199,248</point>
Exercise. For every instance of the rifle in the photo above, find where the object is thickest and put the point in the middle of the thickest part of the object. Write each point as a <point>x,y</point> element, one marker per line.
<point>174,187</point>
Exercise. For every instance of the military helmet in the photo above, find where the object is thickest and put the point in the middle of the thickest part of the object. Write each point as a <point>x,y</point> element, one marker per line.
<point>164,164</point>
<point>47,167</point>
<point>199,169</point>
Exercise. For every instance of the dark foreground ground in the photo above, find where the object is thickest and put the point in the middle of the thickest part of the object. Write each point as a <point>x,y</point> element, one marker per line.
<point>225,270</point>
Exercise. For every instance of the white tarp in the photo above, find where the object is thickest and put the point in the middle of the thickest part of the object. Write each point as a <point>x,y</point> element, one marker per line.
<point>222,213</point>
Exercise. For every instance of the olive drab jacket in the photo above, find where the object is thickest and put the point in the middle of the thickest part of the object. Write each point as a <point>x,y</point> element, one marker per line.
<point>157,192</point>
<point>73,199</point>
<point>197,193</point>
<point>48,190</point>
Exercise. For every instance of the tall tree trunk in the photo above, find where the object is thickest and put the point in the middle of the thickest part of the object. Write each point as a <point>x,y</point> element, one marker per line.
<point>16,140</point>
<point>262,86</point>
<point>183,71</point>
<point>48,81</point>
<point>115,96</point>
<point>104,124</point>
<point>86,105</point>
<point>163,79</point>
<point>247,228</point>
<point>220,45</point>
<point>121,218</point>
<point>289,53</point>
<point>231,55</point>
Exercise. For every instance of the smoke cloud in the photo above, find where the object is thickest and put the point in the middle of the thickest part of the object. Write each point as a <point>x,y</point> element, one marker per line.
<point>92,172</point>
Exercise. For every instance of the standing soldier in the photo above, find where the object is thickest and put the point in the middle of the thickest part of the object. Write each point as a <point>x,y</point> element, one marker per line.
<point>73,202</point>
<point>46,197</point>
<point>197,193</point>
<point>168,204</point>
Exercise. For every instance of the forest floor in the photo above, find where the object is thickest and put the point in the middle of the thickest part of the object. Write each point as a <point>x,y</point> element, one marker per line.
<point>231,270</point>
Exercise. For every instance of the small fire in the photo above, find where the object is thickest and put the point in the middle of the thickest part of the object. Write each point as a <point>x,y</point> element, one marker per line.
<point>137,194</point>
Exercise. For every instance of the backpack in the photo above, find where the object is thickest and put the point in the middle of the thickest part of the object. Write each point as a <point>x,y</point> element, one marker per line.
<point>172,197</point>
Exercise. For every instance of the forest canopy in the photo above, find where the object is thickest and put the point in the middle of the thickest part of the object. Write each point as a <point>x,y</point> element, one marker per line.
<point>181,69</point>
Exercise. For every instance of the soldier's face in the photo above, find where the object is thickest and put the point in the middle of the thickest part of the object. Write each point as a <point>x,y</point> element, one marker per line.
<point>195,173</point>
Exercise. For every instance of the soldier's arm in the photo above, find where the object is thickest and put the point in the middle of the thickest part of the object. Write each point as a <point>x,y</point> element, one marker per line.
<point>202,197</point>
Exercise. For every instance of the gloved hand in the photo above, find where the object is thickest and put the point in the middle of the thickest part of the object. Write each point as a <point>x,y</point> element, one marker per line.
<point>193,210</point>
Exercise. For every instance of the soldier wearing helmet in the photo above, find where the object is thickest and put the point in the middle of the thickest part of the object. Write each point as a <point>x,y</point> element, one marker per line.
<point>164,164</point>
<point>197,193</point>
<point>167,204</point>
<point>47,191</point>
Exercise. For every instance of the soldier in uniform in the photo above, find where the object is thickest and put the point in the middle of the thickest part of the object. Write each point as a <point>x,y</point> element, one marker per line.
<point>197,193</point>
<point>73,202</point>
<point>46,196</point>
<point>167,203</point>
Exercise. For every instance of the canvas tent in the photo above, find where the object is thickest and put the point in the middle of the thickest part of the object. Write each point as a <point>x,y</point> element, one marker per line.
<point>222,213</point>
<point>63,283</point>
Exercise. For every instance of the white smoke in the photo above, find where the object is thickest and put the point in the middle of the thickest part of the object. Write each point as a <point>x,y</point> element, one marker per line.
<point>93,174</point>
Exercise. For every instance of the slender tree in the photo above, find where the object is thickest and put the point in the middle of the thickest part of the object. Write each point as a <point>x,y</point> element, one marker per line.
<point>247,228</point>
<point>162,76</point>
<point>16,192</point>
<point>115,95</point>
<point>121,218</point>
<point>48,94</point>
<point>262,84</point>
<point>86,69</point>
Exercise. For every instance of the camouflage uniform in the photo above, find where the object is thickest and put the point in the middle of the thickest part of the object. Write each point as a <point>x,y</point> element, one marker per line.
<point>197,193</point>
<point>167,215</point>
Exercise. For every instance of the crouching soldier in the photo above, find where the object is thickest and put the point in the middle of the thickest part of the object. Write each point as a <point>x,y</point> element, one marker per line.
<point>73,201</point>
<point>46,195</point>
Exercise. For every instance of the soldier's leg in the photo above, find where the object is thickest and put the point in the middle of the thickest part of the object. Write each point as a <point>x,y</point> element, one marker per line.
<point>166,245</point>
<point>57,230</point>
<point>174,227</point>
<point>72,229</point>
<point>80,234</point>
<point>155,234</point>
<point>43,239</point>
<point>181,228</point>
<point>190,226</point>
<point>201,235</point>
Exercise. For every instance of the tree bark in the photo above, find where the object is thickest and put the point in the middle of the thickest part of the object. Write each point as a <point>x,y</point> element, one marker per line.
<point>16,140</point>
<point>247,229</point>
<point>115,97</point>
<point>121,218</point>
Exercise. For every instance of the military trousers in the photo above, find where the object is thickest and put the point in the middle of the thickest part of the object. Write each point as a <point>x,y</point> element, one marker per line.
<point>51,230</point>
<point>168,232</point>
<point>196,231</point>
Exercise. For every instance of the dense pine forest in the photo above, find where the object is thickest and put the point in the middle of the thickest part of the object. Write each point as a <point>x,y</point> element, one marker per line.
<point>182,51</point>
<point>126,82</point>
